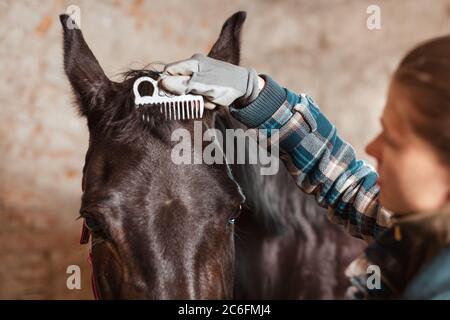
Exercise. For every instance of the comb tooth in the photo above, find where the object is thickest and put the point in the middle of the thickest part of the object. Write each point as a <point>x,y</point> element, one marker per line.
<point>143,117</point>
<point>175,107</point>
<point>197,109</point>
<point>197,113</point>
<point>160,108</point>
<point>188,112</point>
<point>165,110</point>
<point>201,108</point>
<point>182,112</point>
<point>178,112</point>
<point>174,110</point>
<point>170,112</point>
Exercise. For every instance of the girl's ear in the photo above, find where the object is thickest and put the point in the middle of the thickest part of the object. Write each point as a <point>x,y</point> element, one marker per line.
<point>228,45</point>
<point>89,82</point>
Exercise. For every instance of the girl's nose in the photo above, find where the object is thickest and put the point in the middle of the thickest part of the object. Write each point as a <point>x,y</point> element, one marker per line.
<point>374,148</point>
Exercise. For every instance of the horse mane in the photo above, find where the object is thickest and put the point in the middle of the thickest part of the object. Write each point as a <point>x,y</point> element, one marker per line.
<point>119,120</point>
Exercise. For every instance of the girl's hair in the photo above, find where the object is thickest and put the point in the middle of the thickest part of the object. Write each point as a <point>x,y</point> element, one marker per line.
<point>426,70</point>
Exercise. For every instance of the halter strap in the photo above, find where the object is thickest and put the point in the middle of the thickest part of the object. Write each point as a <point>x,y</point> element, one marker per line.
<point>227,165</point>
<point>84,239</point>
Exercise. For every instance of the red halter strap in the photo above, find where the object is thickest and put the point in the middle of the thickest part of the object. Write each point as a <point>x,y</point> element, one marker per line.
<point>84,239</point>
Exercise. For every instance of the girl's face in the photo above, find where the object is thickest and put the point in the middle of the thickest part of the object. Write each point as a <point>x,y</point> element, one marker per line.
<point>411,176</point>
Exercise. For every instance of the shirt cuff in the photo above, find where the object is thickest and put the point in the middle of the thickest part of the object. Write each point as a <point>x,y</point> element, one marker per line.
<point>271,97</point>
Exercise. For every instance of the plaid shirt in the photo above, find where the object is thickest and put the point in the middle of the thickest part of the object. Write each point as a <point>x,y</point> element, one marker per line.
<point>320,162</point>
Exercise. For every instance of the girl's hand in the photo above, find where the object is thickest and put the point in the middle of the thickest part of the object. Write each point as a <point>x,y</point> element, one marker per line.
<point>221,83</point>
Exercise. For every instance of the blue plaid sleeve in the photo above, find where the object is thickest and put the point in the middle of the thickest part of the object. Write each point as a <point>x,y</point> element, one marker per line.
<point>320,162</point>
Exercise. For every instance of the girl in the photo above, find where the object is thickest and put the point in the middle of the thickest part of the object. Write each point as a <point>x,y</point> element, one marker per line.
<point>404,205</point>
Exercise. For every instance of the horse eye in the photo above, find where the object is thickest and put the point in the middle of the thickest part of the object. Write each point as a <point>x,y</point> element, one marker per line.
<point>91,224</point>
<point>236,214</point>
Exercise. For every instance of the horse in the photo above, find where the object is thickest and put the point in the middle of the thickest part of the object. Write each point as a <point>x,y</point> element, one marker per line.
<point>161,230</point>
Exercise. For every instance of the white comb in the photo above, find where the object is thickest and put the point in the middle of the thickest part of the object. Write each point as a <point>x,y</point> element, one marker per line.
<point>174,107</point>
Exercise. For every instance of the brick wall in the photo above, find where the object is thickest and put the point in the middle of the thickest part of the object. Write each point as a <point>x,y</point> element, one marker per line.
<point>320,47</point>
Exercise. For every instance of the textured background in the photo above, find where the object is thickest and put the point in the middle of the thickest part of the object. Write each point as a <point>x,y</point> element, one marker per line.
<point>319,47</point>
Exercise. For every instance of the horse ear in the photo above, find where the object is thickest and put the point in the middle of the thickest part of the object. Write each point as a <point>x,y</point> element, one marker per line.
<point>89,82</point>
<point>228,46</point>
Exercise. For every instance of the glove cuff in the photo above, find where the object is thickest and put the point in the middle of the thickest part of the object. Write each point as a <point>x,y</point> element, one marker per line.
<point>251,91</point>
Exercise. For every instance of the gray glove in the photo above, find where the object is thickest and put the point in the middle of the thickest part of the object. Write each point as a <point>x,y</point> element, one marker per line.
<point>219,82</point>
